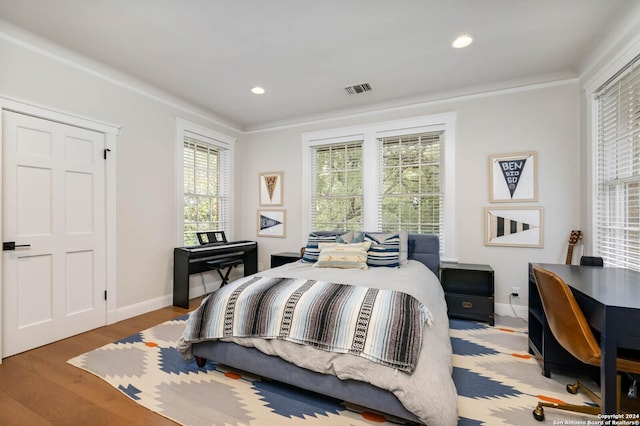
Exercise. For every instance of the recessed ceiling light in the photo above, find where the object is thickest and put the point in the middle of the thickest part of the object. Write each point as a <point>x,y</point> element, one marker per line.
<point>257,90</point>
<point>462,41</point>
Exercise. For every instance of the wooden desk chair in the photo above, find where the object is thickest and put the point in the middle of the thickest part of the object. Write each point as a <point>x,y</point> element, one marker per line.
<point>571,329</point>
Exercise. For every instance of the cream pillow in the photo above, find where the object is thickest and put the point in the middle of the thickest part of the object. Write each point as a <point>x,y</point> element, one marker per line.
<point>345,256</point>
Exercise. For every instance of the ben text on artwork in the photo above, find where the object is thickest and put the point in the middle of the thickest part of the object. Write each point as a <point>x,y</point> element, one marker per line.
<point>512,170</point>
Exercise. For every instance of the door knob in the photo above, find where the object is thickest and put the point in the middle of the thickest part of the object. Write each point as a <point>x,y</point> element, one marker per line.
<point>11,245</point>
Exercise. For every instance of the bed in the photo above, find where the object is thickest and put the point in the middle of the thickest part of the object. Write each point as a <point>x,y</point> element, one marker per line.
<point>425,395</point>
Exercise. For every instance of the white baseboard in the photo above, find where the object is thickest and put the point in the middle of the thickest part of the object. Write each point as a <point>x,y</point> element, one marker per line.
<point>134,310</point>
<point>504,309</point>
<point>195,290</point>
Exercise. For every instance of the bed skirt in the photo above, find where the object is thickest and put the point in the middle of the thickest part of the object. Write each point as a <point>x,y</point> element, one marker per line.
<point>253,361</point>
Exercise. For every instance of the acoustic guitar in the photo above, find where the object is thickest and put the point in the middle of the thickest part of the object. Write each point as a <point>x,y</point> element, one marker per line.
<point>573,239</point>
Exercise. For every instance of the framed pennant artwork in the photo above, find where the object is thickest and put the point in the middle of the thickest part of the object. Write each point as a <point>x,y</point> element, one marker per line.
<point>514,226</point>
<point>271,223</point>
<point>271,189</point>
<point>513,177</point>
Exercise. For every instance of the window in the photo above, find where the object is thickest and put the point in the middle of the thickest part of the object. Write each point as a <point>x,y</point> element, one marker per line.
<point>388,176</point>
<point>336,186</point>
<point>206,182</point>
<point>617,207</point>
<point>205,203</point>
<point>411,193</point>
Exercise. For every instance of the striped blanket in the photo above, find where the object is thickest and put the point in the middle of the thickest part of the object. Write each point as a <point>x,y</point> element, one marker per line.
<point>384,326</point>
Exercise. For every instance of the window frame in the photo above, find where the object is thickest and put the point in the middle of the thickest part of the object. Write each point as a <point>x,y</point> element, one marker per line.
<point>205,135</point>
<point>601,72</point>
<point>616,70</point>
<point>370,134</point>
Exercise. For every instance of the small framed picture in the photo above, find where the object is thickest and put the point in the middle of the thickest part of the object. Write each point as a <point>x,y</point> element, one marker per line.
<point>270,189</point>
<point>513,177</point>
<point>513,226</point>
<point>271,223</point>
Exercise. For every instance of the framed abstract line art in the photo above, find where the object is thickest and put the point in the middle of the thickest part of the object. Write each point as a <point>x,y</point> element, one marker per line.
<point>514,226</point>
<point>271,223</point>
<point>271,189</point>
<point>513,177</point>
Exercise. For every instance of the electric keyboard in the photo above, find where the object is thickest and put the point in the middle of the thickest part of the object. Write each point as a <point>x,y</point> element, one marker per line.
<point>193,259</point>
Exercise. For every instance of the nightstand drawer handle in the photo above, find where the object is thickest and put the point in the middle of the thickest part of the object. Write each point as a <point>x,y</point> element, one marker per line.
<point>467,305</point>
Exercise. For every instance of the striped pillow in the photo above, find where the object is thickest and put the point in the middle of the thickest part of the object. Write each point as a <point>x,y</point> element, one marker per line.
<point>345,256</point>
<point>384,251</point>
<point>311,250</point>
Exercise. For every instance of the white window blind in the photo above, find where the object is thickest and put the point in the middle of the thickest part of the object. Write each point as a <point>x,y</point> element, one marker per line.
<point>336,186</point>
<point>405,168</point>
<point>617,210</point>
<point>206,187</point>
<point>410,187</point>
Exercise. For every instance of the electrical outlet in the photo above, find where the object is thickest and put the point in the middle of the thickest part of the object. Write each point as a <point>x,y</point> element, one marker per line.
<point>515,291</point>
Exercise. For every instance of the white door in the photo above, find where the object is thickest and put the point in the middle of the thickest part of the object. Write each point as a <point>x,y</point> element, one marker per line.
<point>53,201</point>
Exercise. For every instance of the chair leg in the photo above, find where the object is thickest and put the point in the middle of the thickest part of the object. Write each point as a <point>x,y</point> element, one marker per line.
<point>573,389</point>
<point>538,412</point>
<point>618,393</point>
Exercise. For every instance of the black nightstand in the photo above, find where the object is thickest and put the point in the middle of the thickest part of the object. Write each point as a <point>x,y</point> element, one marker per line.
<point>280,259</point>
<point>468,290</point>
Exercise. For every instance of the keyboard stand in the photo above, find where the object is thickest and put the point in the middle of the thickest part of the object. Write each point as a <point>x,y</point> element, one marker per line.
<point>219,265</point>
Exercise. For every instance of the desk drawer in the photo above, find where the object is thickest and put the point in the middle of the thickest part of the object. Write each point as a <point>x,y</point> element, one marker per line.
<point>470,306</point>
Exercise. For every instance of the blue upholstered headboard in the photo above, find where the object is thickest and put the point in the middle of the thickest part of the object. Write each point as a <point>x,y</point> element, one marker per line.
<point>425,248</point>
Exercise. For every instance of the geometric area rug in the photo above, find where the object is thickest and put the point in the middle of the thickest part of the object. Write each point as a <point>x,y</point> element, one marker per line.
<point>498,383</point>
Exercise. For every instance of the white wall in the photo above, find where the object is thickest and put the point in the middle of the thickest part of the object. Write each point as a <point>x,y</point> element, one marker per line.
<point>544,118</point>
<point>146,193</point>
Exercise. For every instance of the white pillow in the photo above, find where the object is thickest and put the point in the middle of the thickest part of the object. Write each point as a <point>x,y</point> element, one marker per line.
<point>344,256</point>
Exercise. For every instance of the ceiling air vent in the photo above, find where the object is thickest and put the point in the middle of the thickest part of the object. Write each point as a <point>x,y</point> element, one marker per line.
<point>358,88</point>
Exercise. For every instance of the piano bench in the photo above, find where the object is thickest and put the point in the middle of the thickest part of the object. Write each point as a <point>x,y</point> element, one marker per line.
<point>220,264</point>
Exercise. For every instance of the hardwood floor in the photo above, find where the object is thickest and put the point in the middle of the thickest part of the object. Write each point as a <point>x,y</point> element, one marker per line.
<point>38,387</point>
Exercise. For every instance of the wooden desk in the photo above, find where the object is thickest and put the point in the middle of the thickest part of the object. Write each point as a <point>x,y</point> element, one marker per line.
<point>610,300</point>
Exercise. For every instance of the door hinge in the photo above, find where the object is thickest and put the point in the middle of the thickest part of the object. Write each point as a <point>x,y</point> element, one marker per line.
<point>105,295</point>
<point>105,152</point>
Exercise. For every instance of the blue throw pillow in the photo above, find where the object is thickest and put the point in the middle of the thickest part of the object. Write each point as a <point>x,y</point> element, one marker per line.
<point>311,250</point>
<point>383,252</point>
